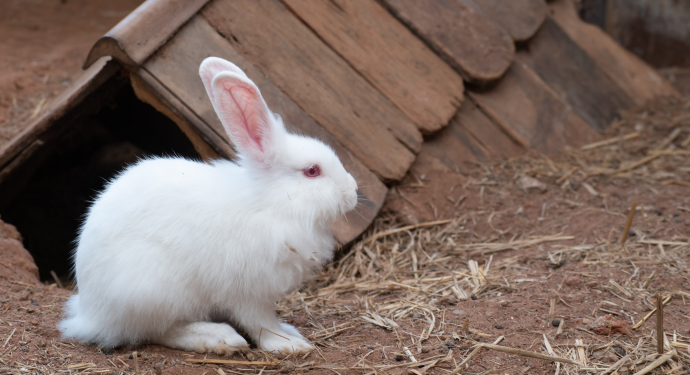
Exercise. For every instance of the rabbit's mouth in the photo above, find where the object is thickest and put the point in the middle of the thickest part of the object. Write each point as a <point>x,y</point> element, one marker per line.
<point>350,200</point>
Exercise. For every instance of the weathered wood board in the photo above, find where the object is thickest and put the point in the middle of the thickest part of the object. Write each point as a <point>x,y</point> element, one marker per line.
<point>389,56</point>
<point>137,36</point>
<point>196,41</point>
<point>449,151</point>
<point>81,90</point>
<point>357,115</point>
<point>490,136</point>
<point>469,136</point>
<point>531,113</point>
<point>574,76</point>
<point>478,49</point>
<point>634,76</point>
<point>519,18</point>
<point>149,96</point>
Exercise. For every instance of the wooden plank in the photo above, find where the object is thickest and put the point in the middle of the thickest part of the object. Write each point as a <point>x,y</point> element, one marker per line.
<point>172,65</point>
<point>148,96</point>
<point>137,36</point>
<point>469,136</point>
<point>319,81</point>
<point>531,113</point>
<point>79,91</point>
<point>491,137</point>
<point>634,76</point>
<point>389,56</point>
<point>574,76</point>
<point>519,18</point>
<point>451,148</point>
<point>478,49</point>
<point>17,162</point>
<point>218,141</point>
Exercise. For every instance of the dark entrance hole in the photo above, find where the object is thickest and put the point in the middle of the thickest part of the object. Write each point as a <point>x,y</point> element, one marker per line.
<point>49,208</point>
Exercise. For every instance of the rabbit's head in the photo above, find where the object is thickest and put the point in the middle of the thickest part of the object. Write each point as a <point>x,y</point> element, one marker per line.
<point>298,172</point>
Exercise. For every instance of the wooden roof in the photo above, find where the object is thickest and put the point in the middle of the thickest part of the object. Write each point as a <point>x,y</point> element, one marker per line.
<point>480,79</point>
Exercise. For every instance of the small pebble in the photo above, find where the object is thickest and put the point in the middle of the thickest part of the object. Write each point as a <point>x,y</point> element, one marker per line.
<point>498,326</point>
<point>107,350</point>
<point>620,351</point>
<point>370,347</point>
<point>556,322</point>
<point>158,365</point>
<point>460,313</point>
<point>610,357</point>
<point>573,281</point>
<point>25,296</point>
<point>288,367</point>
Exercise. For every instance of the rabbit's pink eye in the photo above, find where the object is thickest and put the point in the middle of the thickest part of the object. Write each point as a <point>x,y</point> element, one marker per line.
<point>312,171</point>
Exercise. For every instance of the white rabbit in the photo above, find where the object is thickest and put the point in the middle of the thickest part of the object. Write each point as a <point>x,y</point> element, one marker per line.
<point>173,251</point>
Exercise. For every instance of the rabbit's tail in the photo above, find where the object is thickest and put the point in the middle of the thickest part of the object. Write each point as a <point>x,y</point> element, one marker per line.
<point>76,326</point>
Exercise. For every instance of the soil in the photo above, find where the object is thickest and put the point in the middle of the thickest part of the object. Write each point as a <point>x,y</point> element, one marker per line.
<point>43,46</point>
<point>494,209</point>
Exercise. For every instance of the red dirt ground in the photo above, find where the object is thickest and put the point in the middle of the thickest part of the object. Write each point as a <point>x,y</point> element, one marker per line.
<point>31,310</point>
<point>42,46</point>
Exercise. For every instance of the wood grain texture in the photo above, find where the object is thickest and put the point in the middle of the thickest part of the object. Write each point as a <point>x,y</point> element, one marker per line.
<point>531,113</point>
<point>389,56</point>
<point>196,41</point>
<point>478,49</point>
<point>81,90</point>
<point>171,99</point>
<point>147,95</point>
<point>574,76</point>
<point>137,36</point>
<point>320,82</point>
<point>469,136</point>
<point>491,137</point>
<point>634,76</point>
<point>519,18</point>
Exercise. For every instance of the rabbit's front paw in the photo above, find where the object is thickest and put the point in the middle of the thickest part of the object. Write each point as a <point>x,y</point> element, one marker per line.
<point>203,337</point>
<point>277,344</point>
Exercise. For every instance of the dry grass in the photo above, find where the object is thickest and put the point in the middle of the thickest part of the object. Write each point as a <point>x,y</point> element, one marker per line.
<point>396,272</point>
<point>422,261</point>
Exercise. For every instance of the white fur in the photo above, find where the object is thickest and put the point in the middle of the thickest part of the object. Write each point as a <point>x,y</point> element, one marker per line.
<point>173,250</point>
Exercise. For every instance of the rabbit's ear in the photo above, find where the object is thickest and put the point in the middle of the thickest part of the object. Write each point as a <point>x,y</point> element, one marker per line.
<point>210,67</point>
<point>244,115</point>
